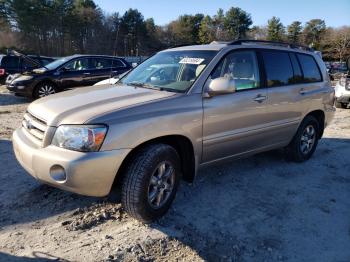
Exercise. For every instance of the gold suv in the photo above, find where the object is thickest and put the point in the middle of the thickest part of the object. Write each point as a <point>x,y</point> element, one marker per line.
<point>180,110</point>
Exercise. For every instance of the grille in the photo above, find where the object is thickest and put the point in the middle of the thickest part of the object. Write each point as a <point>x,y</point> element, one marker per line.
<point>34,126</point>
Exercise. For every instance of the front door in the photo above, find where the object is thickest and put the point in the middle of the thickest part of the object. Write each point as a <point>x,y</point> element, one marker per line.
<point>234,124</point>
<point>75,73</point>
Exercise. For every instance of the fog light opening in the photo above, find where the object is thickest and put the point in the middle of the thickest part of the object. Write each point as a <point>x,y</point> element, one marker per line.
<point>58,174</point>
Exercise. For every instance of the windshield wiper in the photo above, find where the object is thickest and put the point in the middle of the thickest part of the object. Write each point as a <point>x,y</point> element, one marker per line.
<point>149,86</point>
<point>140,84</point>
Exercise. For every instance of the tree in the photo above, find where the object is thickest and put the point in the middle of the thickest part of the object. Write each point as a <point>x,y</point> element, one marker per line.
<point>185,30</point>
<point>336,43</point>
<point>134,31</point>
<point>313,32</point>
<point>237,23</point>
<point>258,33</point>
<point>275,29</point>
<point>294,31</point>
<point>206,30</point>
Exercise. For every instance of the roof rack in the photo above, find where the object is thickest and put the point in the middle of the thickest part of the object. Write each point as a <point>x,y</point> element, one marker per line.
<point>275,43</point>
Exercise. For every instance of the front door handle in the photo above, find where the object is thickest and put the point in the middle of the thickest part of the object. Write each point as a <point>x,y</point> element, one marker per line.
<point>260,98</point>
<point>86,74</point>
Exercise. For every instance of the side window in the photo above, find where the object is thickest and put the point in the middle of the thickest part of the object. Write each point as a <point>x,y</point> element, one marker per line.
<point>278,67</point>
<point>101,63</point>
<point>310,68</point>
<point>298,75</point>
<point>78,64</point>
<point>118,63</point>
<point>241,66</point>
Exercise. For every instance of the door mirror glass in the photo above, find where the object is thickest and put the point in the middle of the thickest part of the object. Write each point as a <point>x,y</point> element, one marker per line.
<point>221,86</point>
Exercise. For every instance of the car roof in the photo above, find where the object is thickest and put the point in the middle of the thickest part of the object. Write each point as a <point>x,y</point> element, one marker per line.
<point>85,55</point>
<point>218,45</point>
<point>207,47</point>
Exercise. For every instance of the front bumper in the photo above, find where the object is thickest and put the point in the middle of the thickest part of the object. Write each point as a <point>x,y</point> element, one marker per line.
<point>342,94</point>
<point>22,87</point>
<point>90,174</point>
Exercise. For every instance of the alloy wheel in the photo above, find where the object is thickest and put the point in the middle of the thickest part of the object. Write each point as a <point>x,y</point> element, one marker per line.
<point>161,184</point>
<point>308,139</point>
<point>46,90</point>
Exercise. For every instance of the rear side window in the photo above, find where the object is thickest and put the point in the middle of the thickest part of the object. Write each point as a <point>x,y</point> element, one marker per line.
<point>10,62</point>
<point>118,63</point>
<point>279,70</point>
<point>298,75</point>
<point>101,63</point>
<point>310,68</point>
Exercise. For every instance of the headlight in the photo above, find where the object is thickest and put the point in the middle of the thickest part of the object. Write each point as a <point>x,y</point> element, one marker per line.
<point>23,78</point>
<point>85,138</point>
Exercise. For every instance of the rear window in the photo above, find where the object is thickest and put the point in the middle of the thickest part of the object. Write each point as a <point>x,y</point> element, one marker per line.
<point>310,69</point>
<point>278,68</point>
<point>10,62</point>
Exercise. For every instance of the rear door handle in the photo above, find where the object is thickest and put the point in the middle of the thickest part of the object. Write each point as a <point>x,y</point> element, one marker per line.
<point>260,98</point>
<point>86,74</point>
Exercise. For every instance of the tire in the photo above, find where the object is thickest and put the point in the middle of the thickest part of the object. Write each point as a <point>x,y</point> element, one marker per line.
<point>304,143</point>
<point>340,105</point>
<point>44,89</point>
<point>141,186</point>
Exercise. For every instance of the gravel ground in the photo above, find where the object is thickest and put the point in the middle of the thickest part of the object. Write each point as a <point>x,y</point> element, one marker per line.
<point>258,209</point>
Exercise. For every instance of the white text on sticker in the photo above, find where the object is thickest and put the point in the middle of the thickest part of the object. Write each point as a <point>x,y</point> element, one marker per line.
<point>191,60</point>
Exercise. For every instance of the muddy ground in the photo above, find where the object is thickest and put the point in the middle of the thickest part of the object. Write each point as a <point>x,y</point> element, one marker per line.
<point>258,209</point>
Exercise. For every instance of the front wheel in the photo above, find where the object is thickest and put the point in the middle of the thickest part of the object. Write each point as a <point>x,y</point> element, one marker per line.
<point>304,143</point>
<point>150,182</point>
<point>44,89</point>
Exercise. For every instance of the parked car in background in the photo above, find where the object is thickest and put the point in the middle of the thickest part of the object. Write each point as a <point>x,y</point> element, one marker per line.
<point>17,63</point>
<point>68,72</point>
<point>181,110</point>
<point>342,89</point>
<point>113,80</point>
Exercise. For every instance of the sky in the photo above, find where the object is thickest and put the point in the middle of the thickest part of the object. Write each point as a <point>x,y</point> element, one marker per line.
<point>334,12</point>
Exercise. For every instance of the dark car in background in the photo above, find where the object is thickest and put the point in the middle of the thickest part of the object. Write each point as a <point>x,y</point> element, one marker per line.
<point>65,73</point>
<point>18,64</point>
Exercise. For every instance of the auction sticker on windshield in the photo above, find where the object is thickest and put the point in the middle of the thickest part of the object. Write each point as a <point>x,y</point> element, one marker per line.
<point>191,60</point>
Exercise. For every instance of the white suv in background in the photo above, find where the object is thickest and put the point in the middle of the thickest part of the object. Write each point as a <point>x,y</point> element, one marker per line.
<point>342,90</point>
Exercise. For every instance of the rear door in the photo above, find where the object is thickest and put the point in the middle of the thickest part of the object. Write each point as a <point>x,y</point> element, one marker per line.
<point>234,124</point>
<point>288,97</point>
<point>101,69</point>
<point>119,67</point>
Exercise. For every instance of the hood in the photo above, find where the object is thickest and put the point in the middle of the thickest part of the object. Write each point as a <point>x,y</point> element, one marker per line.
<point>109,81</point>
<point>79,105</point>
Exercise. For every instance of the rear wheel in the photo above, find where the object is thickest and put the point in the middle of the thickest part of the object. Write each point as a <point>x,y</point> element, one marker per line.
<point>305,140</point>
<point>44,89</point>
<point>150,182</point>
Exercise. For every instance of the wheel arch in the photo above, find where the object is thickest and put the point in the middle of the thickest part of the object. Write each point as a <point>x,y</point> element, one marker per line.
<point>46,80</point>
<point>320,116</point>
<point>182,145</point>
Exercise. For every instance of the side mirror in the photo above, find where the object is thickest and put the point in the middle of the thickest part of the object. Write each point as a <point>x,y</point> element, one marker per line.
<point>221,86</point>
<point>348,64</point>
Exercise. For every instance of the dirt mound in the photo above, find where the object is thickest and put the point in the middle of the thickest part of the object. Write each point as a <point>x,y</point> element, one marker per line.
<point>89,217</point>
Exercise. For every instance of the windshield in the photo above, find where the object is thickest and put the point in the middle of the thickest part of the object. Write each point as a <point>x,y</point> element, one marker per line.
<point>170,70</point>
<point>53,65</point>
